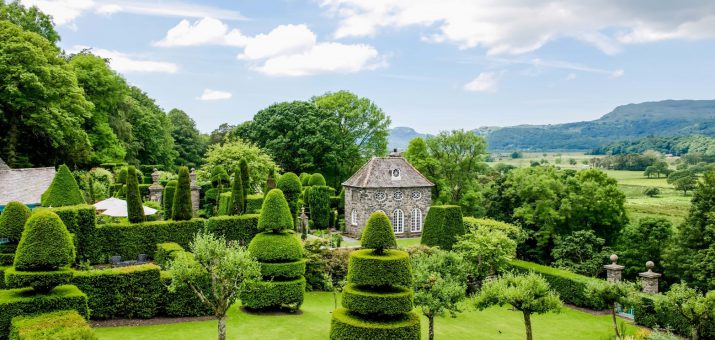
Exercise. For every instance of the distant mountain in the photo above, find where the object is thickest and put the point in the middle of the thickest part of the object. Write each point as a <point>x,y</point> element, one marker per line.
<point>401,136</point>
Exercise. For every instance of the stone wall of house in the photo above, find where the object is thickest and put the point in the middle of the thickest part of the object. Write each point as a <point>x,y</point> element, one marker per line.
<point>365,201</point>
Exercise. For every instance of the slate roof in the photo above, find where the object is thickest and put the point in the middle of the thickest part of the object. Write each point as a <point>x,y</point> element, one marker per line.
<point>3,166</point>
<point>377,173</point>
<point>24,185</point>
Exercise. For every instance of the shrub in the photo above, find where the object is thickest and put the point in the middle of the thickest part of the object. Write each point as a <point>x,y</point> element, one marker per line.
<point>651,192</point>
<point>442,226</point>
<point>316,180</point>
<point>166,252</point>
<point>19,302</point>
<point>181,209</point>
<point>318,200</point>
<point>135,209</point>
<point>54,325</point>
<point>63,190</point>
<point>238,199</point>
<point>45,244</point>
<point>125,292</point>
<point>271,294</point>
<point>182,302</point>
<point>291,186</point>
<point>513,231</point>
<point>283,270</point>
<point>392,268</point>
<point>391,302</point>
<point>571,287</point>
<point>276,247</point>
<point>12,220</point>
<point>254,203</point>
<point>305,179</point>
<point>167,196</point>
<point>40,281</point>
<point>234,228</point>
<point>275,213</point>
<point>81,221</point>
<point>347,325</point>
<point>378,233</point>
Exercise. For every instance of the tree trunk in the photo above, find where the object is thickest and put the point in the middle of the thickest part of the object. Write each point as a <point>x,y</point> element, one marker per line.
<point>222,328</point>
<point>431,327</point>
<point>527,324</point>
<point>615,324</point>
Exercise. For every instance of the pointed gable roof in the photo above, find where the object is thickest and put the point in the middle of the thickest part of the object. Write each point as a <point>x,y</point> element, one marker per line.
<point>377,173</point>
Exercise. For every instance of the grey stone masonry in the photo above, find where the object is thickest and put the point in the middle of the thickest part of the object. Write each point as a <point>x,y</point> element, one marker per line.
<point>195,192</point>
<point>391,185</point>
<point>649,279</point>
<point>614,271</point>
<point>155,190</point>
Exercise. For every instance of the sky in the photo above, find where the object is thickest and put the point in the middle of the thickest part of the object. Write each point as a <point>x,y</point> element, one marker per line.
<point>429,64</point>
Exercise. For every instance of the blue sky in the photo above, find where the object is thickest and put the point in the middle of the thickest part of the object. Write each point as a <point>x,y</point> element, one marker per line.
<point>430,64</point>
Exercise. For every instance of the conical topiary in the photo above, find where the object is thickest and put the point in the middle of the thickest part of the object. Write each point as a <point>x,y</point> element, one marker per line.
<point>316,179</point>
<point>237,203</point>
<point>43,254</point>
<point>63,190</point>
<point>290,185</point>
<point>378,299</point>
<point>12,220</point>
<point>135,207</point>
<point>181,209</point>
<point>167,197</point>
<point>281,256</point>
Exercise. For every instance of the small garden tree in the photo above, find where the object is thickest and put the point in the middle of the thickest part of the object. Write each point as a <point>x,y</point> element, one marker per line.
<point>181,208</point>
<point>281,256</point>
<point>63,190</point>
<point>378,298</point>
<point>167,197</point>
<point>43,255</point>
<point>487,252</point>
<point>529,294</point>
<point>695,307</point>
<point>611,294</point>
<point>228,267</point>
<point>135,208</point>
<point>237,204</point>
<point>443,225</point>
<point>12,220</point>
<point>440,284</point>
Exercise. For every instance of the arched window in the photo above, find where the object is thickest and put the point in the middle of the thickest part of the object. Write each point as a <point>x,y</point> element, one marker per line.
<point>416,220</point>
<point>398,221</point>
<point>353,217</point>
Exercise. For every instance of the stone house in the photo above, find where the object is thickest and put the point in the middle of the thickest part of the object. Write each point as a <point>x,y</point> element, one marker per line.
<point>391,185</point>
<point>23,185</point>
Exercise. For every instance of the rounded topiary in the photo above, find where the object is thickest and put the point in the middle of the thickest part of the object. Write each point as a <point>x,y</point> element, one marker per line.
<point>348,325</point>
<point>135,208</point>
<point>378,233</point>
<point>276,247</point>
<point>391,268</point>
<point>283,270</point>
<point>181,209</point>
<point>304,179</point>
<point>45,244</point>
<point>63,190</point>
<point>443,224</point>
<point>274,293</point>
<point>12,220</point>
<point>275,213</point>
<point>398,300</point>
<point>290,185</point>
<point>316,179</point>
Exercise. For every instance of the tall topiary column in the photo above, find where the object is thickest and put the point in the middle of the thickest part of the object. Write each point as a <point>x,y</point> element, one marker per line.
<point>318,199</point>
<point>63,190</point>
<point>442,226</point>
<point>245,179</point>
<point>43,255</point>
<point>181,208</point>
<point>168,197</point>
<point>12,220</point>
<point>290,185</point>
<point>281,256</point>
<point>237,202</point>
<point>377,301</point>
<point>135,208</point>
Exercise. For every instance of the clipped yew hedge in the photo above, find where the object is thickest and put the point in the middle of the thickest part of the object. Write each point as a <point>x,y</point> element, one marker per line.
<point>166,252</point>
<point>254,203</point>
<point>12,220</point>
<point>80,220</point>
<point>269,294</point>
<point>442,226</point>
<point>276,247</point>
<point>390,301</point>
<point>234,228</point>
<point>347,325</point>
<point>40,281</point>
<point>283,270</point>
<point>369,269</point>
<point>183,302</point>
<point>66,324</point>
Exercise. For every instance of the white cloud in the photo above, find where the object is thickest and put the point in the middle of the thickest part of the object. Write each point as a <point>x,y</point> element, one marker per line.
<point>63,11</point>
<point>556,64</point>
<point>210,94</point>
<point>517,26</point>
<point>125,63</point>
<point>323,58</point>
<point>617,73</point>
<point>207,31</point>
<point>484,82</point>
<point>282,40</point>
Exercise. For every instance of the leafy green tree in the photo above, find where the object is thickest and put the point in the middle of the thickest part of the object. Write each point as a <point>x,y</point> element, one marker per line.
<point>691,257</point>
<point>643,242</point>
<point>151,129</point>
<point>529,294</point>
<point>135,208</point>
<point>695,307</point>
<point>218,135</point>
<point>12,220</point>
<point>612,294</point>
<point>439,284</point>
<point>43,108</point>
<point>228,267</point>
<point>30,19</point>
<point>230,154</point>
<point>182,209</point>
<point>581,252</point>
<point>189,143</point>
<point>219,177</point>
<point>237,203</point>
<point>683,180</point>
<point>487,252</point>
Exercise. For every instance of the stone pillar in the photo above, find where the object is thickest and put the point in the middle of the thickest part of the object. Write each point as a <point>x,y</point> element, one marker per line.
<point>613,270</point>
<point>303,224</point>
<point>155,190</point>
<point>649,279</point>
<point>195,192</point>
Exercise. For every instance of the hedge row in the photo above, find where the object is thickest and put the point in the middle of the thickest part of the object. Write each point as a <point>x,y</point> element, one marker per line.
<point>571,287</point>
<point>166,252</point>
<point>80,221</point>
<point>19,302</point>
<point>2,276</point>
<point>66,324</point>
<point>237,228</point>
<point>183,302</point>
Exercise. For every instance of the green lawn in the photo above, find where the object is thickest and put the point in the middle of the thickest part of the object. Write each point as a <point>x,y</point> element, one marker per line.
<point>314,323</point>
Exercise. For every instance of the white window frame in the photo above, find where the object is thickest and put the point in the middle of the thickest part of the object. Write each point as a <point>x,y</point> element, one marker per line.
<point>398,221</point>
<point>354,217</point>
<point>416,220</point>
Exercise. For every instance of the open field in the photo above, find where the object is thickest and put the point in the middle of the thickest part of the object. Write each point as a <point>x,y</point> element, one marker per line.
<point>313,322</point>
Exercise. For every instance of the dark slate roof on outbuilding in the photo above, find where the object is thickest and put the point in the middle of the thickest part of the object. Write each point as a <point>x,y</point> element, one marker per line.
<point>24,185</point>
<point>377,173</point>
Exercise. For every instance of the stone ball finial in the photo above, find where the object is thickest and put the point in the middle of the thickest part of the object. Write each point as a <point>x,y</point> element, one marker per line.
<point>650,265</point>
<point>193,169</point>
<point>614,258</point>
<point>155,169</point>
